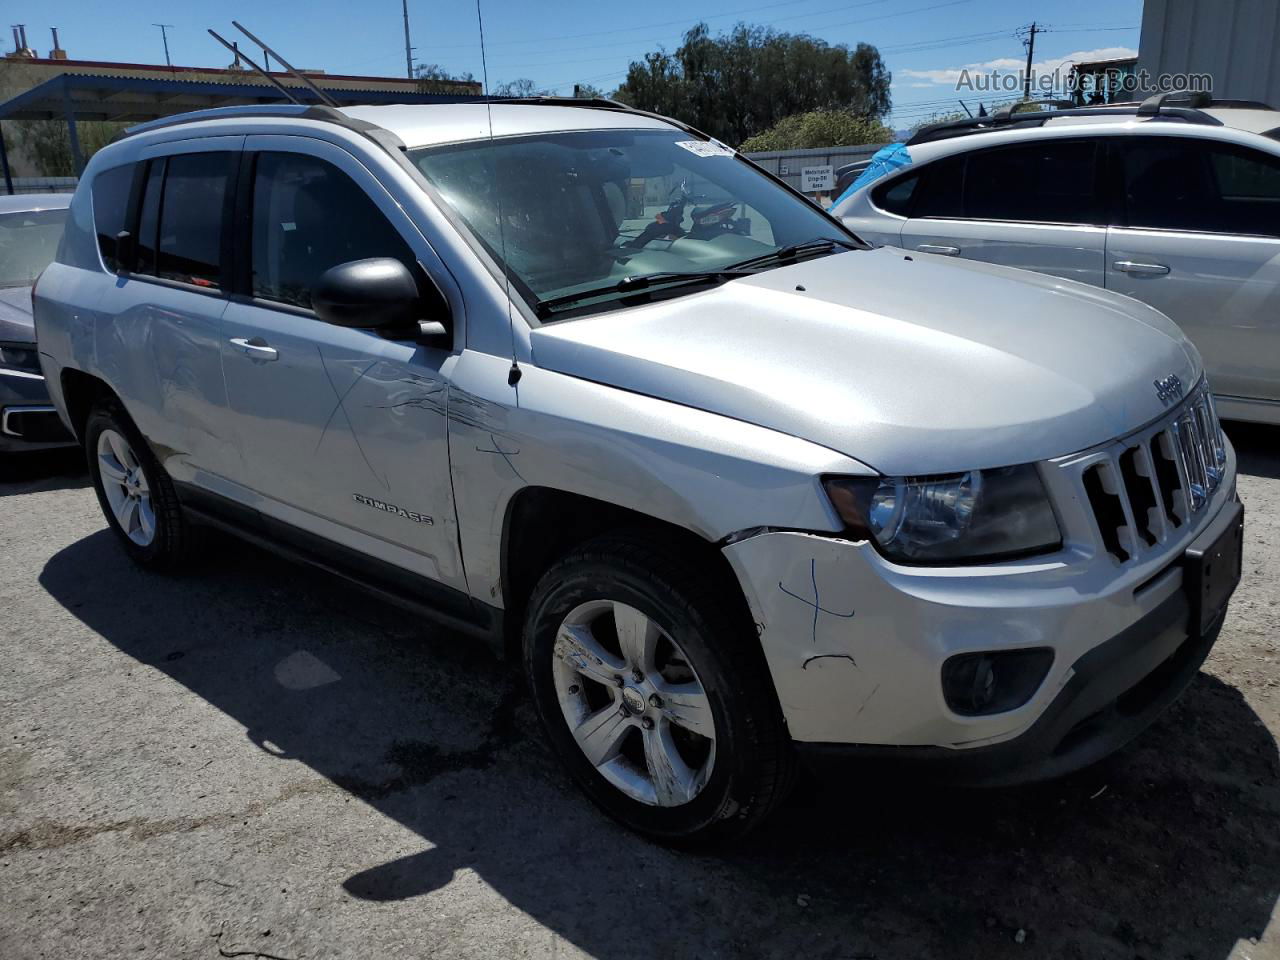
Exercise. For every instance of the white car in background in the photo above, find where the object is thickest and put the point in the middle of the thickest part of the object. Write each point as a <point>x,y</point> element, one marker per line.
<point>1173,202</point>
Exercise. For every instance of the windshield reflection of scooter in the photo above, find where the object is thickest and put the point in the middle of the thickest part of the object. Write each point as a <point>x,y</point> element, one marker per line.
<point>709,221</point>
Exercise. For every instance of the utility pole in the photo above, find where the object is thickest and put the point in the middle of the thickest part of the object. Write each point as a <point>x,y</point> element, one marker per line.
<point>408,50</point>
<point>1031,49</point>
<point>164,35</point>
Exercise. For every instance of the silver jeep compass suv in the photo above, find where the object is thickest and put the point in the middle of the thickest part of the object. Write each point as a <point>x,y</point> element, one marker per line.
<point>736,489</point>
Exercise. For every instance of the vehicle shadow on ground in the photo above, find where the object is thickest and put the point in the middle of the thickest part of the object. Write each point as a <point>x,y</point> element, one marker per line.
<point>1168,850</point>
<point>1257,448</point>
<point>42,471</point>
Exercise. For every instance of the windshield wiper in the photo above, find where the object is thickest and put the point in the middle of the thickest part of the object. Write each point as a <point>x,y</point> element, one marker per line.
<point>631,285</point>
<point>794,252</point>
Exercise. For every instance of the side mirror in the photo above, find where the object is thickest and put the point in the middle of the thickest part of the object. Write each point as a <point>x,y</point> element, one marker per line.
<point>376,294</point>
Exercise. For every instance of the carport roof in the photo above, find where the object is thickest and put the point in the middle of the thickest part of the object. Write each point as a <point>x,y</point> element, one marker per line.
<point>134,99</point>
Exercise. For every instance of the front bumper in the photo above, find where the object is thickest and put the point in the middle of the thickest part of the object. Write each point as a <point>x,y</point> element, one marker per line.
<point>856,645</point>
<point>28,420</point>
<point>1116,691</point>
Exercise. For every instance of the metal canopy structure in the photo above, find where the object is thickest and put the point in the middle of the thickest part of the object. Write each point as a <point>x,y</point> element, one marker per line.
<point>70,97</point>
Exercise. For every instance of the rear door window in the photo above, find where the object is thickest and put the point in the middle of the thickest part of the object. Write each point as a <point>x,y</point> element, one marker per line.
<point>941,192</point>
<point>149,218</point>
<point>1047,181</point>
<point>189,248</point>
<point>1050,181</point>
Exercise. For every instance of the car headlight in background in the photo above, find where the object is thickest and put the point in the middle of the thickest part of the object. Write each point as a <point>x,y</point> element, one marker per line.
<point>19,356</point>
<point>980,515</point>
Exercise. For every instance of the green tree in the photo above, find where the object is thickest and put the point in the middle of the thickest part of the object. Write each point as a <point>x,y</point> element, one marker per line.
<point>741,83</point>
<point>433,78</point>
<point>47,143</point>
<point>819,128</point>
<point>523,87</point>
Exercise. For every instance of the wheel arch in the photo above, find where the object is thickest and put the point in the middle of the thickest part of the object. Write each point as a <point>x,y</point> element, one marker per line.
<point>542,524</point>
<point>80,393</point>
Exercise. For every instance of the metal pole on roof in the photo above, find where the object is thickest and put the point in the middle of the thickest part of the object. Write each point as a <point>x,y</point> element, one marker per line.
<point>164,35</point>
<point>4,160</point>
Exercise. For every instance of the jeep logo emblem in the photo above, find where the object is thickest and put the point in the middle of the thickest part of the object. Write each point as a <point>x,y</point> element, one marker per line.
<point>1168,389</point>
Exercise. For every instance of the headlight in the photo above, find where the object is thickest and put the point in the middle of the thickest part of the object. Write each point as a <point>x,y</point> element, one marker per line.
<point>19,356</point>
<point>982,515</point>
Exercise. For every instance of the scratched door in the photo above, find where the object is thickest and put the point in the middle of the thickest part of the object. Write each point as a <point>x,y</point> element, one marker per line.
<point>341,432</point>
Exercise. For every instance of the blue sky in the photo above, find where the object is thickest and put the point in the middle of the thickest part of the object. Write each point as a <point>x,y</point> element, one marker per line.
<point>923,42</point>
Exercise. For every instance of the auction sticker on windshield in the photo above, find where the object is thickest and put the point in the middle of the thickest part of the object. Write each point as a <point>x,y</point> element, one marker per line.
<point>706,148</point>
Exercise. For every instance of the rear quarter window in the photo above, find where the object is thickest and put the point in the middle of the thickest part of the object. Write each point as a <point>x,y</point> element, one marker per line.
<point>896,195</point>
<point>110,208</point>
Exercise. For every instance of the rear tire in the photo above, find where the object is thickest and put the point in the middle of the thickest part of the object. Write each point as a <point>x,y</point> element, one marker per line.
<point>648,678</point>
<point>135,493</point>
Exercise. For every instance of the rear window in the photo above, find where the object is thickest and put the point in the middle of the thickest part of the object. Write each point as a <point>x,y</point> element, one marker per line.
<point>110,208</point>
<point>28,243</point>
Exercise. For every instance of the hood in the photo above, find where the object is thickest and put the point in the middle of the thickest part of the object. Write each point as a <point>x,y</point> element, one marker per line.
<point>15,315</point>
<point>912,364</point>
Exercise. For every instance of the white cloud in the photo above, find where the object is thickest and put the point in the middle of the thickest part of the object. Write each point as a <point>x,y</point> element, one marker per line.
<point>950,76</point>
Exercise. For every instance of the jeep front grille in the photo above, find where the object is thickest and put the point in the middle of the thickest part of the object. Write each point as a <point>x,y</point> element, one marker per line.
<point>1158,479</point>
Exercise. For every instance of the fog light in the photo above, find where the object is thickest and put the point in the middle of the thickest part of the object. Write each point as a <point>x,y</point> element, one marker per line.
<point>977,684</point>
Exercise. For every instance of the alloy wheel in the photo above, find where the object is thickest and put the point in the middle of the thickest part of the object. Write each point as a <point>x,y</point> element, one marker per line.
<point>125,485</point>
<point>634,703</point>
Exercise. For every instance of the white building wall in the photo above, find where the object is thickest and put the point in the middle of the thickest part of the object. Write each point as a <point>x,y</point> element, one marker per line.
<point>1237,42</point>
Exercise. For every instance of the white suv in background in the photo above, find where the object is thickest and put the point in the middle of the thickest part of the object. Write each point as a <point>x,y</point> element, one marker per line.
<point>1173,202</point>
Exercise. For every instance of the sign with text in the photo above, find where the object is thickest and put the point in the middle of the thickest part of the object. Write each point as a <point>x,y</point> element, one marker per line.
<point>817,179</point>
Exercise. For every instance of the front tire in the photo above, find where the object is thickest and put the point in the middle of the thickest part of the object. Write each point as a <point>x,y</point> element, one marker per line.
<point>135,493</point>
<point>651,686</point>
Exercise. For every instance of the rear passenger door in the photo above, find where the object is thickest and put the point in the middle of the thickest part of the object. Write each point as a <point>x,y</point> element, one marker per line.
<point>342,432</point>
<point>1198,238</point>
<point>1034,205</point>
<point>164,356</point>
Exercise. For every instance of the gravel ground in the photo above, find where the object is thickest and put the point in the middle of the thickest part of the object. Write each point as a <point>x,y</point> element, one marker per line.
<point>259,761</point>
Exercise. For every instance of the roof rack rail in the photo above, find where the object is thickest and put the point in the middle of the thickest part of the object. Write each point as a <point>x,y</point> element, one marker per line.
<point>1153,106</point>
<point>296,111</point>
<point>1006,118</point>
<point>1008,110</point>
<point>1241,105</point>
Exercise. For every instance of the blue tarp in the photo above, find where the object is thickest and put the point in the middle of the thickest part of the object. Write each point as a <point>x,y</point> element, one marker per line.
<point>885,160</point>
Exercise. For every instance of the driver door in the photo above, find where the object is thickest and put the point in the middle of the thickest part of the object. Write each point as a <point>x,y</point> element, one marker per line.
<point>341,432</point>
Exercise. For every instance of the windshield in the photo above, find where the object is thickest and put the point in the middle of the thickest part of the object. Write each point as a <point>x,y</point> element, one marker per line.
<point>586,210</point>
<point>28,242</point>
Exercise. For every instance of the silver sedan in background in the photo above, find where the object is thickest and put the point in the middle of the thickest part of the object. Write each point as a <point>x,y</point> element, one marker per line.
<point>30,229</point>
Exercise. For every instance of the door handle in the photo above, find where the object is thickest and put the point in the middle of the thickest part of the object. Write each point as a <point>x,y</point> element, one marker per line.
<point>1141,269</point>
<point>257,348</point>
<point>939,249</point>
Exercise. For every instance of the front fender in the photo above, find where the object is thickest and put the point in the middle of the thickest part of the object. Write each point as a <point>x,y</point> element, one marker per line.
<point>704,472</point>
